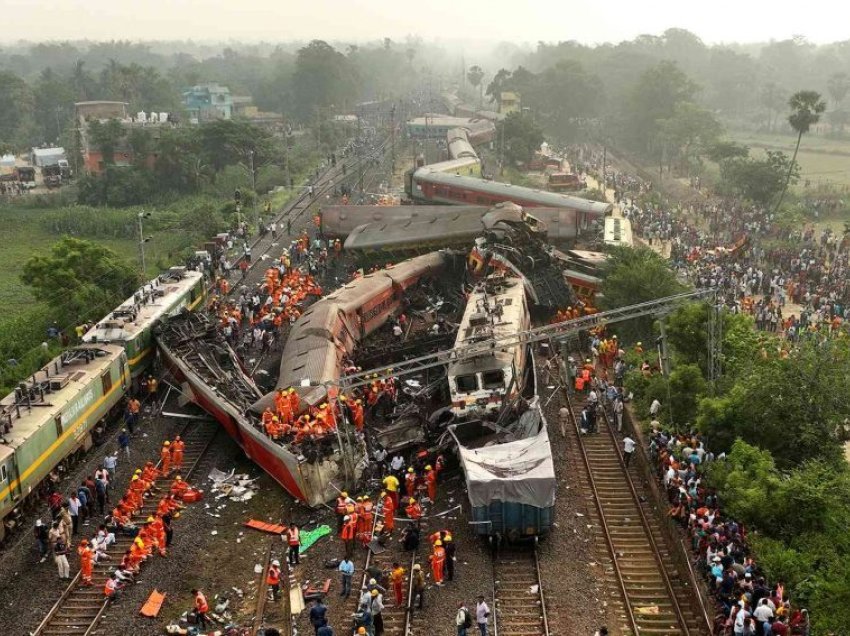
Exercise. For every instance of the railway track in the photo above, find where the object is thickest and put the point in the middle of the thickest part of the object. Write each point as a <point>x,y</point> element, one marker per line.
<point>80,608</point>
<point>295,209</point>
<point>399,620</point>
<point>518,598</point>
<point>642,570</point>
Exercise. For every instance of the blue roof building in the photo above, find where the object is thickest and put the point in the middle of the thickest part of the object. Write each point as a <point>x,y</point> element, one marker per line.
<point>208,101</point>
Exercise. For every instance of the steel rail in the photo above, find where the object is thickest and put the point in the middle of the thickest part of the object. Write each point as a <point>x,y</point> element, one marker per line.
<point>645,523</point>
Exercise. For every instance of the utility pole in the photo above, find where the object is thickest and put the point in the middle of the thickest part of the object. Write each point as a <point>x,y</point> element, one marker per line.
<point>392,136</point>
<point>254,189</point>
<point>142,241</point>
<point>604,160</point>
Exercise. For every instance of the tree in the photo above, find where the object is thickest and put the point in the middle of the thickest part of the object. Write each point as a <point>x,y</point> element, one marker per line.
<point>635,275</point>
<point>722,150</point>
<point>106,137</point>
<point>772,97</point>
<point>757,180</point>
<point>565,97</point>
<point>806,109</point>
<point>16,106</point>
<point>690,131</point>
<point>475,75</point>
<point>323,77</point>
<point>79,279</point>
<point>521,136</point>
<point>838,85</point>
<point>793,407</point>
<point>653,98</point>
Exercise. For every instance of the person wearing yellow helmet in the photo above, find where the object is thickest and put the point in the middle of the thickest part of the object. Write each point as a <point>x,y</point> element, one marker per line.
<point>410,482</point>
<point>438,560</point>
<point>431,481</point>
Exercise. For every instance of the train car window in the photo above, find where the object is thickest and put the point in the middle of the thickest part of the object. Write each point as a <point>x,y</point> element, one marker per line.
<point>58,421</point>
<point>493,379</point>
<point>106,380</point>
<point>466,383</point>
<point>4,475</point>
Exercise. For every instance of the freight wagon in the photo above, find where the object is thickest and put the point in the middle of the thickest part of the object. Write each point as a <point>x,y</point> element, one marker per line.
<point>51,416</point>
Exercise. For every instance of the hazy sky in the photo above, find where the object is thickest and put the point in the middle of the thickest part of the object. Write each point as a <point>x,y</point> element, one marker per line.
<point>517,20</point>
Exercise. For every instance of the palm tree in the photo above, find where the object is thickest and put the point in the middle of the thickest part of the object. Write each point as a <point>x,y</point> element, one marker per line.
<point>806,109</point>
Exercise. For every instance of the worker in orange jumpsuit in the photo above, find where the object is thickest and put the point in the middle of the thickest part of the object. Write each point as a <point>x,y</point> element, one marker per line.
<point>294,401</point>
<point>157,528</point>
<point>340,509</point>
<point>397,580</point>
<point>137,553</point>
<point>177,449</point>
<point>150,473</point>
<point>431,480</point>
<point>389,512</point>
<point>438,560</point>
<point>357,414</point>
<point>410,482</point>
<point>165,457</point>
<point>358,508</point>
<point>413,509</point>
<point>178,486</point>
<point>86,559</point>
<point>266,419</point>
<point>348,534</point>
<point>367,516</point>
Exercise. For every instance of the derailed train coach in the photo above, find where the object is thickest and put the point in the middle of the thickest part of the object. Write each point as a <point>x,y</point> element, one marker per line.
<point>510,475</point>
<point>334,326</point>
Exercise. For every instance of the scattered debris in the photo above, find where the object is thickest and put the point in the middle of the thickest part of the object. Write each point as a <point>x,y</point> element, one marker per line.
<point>232,486</point>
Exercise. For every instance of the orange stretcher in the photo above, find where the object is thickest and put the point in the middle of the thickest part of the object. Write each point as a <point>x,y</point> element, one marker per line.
<point>265,527</point>
<point>153,605</point>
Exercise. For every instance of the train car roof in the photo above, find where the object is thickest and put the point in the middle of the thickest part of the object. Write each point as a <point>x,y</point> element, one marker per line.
<point>151,302</point>
<point>542,197</point>
<point>479,323</point>
<point>450,165</point>
<point>617,231</point>
<point>72,389</point>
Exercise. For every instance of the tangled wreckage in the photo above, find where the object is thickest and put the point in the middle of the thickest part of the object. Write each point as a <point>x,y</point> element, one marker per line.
<point>509,274</point>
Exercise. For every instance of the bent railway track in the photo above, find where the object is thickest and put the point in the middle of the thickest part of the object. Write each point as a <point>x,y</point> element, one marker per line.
<point>655,602</point>
<point>80,608</point>
<point>519,602</point>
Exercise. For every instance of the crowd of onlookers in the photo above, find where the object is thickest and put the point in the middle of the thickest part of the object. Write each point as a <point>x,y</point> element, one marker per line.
<point>747,603</point>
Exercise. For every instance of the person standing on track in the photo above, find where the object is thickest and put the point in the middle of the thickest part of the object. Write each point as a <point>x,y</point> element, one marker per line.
<point>60,556</point>
<point>293,540</point>
<point>346,569</point>
<point>201,608</point>
<point>438,559</point>
<point>177,449</point>
<point>628,449</point>
<point>482,613</point>
<point>165,457</point>
<point>86,558</point>
<point>273,579</point>
<point>451,557</point>
<point>397,580</point>
<point>418,593</point>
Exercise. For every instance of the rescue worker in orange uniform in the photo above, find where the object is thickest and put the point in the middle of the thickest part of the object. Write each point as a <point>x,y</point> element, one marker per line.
<point>178,486</point>
<point>349,531</point>
<point>86,559</point>
<point>367,518</point>
<point>431,480</point>
<point>165,456</point>
<point>438,560</point>
<point>177,449</point>
<point>388,511</point>
<point>158,531</point>
<point>413,509</point>
<point>273,579</point>
<point>357,414</point>
<point>340,509</point>
<point>397,580</point>
<point>410,482</point>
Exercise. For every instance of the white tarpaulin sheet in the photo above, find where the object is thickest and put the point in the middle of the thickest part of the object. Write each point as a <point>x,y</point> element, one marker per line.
<point>520,471</point>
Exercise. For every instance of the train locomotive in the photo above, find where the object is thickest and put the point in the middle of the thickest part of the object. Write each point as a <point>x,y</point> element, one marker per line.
<point>56,412</point>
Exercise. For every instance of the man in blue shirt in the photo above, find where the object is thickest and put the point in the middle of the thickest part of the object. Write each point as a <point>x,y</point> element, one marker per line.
<point>317,616</point>
<point>346,567</point>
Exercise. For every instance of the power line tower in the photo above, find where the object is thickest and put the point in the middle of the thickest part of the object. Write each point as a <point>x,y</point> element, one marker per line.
<point>715,342</point>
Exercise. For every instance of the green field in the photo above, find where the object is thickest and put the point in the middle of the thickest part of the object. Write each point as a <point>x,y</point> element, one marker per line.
<point>822,161</point>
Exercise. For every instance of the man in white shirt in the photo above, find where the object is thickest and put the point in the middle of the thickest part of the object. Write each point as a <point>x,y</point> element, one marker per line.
<point>628,449</point>
<point>655,408</point>
<point>482,612</point>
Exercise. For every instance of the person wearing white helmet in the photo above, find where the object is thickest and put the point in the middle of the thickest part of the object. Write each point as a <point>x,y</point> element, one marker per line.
<point>273,579</point>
